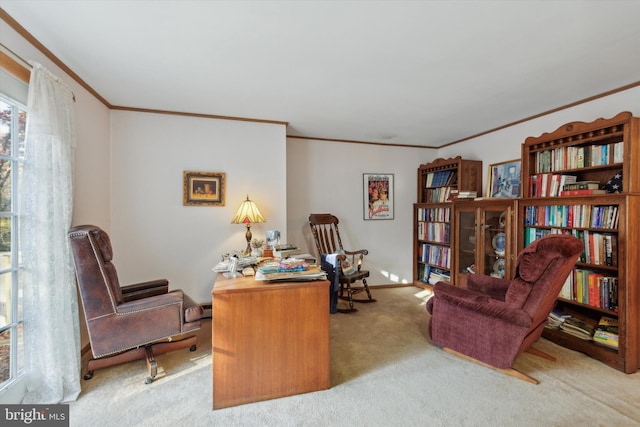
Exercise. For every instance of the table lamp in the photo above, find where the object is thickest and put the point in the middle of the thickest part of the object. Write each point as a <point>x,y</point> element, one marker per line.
<point>248,214</point>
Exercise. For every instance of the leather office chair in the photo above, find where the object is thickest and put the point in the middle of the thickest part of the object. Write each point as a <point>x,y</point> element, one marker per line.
<point>130,322</point>
<point>493,320</point>
<point>327,238</point>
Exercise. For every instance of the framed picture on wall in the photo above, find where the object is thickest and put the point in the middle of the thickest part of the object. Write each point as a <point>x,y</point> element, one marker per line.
<point>203,188</point>
<point>504,180</point>
<point>378,196</point>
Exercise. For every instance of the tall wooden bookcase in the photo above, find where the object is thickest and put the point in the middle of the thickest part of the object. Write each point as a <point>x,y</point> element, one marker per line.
<point>432,214</point>
<point>607,224</point>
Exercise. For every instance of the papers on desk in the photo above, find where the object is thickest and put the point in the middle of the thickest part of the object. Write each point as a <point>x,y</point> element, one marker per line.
<point>312,273</point>
<point>228,264</point>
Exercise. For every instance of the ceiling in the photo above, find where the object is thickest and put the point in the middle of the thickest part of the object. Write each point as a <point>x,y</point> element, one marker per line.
<point>422,73</point>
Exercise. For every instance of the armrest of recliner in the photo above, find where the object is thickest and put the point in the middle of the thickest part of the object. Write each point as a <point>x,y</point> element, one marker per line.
<point>488,285</point>
<point>481,303</point>
<point>145,289</point>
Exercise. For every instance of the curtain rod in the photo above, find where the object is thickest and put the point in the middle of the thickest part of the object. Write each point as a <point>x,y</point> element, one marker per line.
<point>25,63</point>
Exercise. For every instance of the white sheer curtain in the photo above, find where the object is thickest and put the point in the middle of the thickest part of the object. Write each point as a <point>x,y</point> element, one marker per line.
<point>51,324</point>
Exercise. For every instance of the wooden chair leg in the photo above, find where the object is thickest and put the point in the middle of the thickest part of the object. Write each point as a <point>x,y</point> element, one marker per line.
<point>508,371</point>
<point>540,353</point>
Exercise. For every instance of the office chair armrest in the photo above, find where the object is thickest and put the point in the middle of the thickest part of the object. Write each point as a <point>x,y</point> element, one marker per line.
<point>488,285</point>
<point>145,289</point>
<point>478,302</point>
<point>151,303</point>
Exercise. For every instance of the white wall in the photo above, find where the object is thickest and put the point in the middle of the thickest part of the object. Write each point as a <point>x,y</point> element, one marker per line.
<point>327,177</point>
<point>153,234</point>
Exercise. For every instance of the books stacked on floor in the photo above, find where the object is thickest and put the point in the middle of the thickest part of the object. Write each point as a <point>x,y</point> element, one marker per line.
<point>606,333</point>
<point>577,328</point>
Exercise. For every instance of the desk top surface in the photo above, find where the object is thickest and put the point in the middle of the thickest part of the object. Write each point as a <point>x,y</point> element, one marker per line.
<point>224,285</point>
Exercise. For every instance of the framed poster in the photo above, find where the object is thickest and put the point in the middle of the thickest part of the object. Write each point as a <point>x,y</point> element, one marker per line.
<point>504,180</point>
<point>203,188</point>
<point>378,196</point>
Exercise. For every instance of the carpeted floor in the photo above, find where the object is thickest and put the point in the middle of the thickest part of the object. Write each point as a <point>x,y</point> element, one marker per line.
<point>384,372</point>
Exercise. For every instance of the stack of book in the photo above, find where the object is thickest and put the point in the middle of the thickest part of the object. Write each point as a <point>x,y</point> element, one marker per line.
<point>556,319</point>
<point>577,328</point>
<point>463,194</point>
<point>606,332</point>
<point>581,188</point>
<point>434,275</point>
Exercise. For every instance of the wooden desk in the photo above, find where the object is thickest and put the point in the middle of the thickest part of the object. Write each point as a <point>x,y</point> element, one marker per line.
<point>269,340</point>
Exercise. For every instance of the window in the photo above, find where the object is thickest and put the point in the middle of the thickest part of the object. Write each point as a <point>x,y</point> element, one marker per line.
<point>12,143</point>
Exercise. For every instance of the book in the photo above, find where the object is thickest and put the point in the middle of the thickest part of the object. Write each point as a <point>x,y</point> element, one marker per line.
<point>583,192</point>
<point>578,328</point>
<point>607,339</point>
<point>608,324</point>
<point>582,185</point>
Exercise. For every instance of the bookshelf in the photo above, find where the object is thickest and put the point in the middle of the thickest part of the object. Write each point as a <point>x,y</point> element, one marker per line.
<point>432,242</point>
<point>438,181</point>
<point>605,282</point>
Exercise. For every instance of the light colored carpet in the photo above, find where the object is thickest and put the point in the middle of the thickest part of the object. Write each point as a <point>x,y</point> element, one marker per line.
<point>384,372</point>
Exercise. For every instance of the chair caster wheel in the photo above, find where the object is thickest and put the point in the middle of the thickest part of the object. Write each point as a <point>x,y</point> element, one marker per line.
<point>192,348</point>
<point>149,380</point>
<point>88,375</point>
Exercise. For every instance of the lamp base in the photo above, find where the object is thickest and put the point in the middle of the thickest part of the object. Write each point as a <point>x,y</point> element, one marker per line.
<point>248,235</point>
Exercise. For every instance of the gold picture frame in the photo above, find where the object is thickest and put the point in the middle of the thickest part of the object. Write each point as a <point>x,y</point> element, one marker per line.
<point>504,180</point>
<point>203,188</point>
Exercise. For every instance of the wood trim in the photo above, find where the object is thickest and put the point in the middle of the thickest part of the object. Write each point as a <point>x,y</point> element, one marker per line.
<point>14,68</point>
<point>351,141</point>
<point>207,116</point>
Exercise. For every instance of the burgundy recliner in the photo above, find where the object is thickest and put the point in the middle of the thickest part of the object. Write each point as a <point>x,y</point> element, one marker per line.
<point>130,322</point>
<point>494,320</point>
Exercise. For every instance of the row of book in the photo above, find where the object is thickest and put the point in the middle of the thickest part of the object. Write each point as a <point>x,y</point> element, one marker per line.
<point>604,333</point>
<point>581,216</point>
<point>599,248</point>
<point>549,184</point>
<point>574,157</point>
<point>441,178</point>
<point>438,195</point>
<point>433,275</point>
<point>434,232</point>
<point>591,288</point>
<point>434,214</point>
<point>435,255</point>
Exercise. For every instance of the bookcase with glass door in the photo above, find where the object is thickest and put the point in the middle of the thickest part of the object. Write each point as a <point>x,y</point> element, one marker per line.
<point>604,286</point>
<point>484,238</point>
